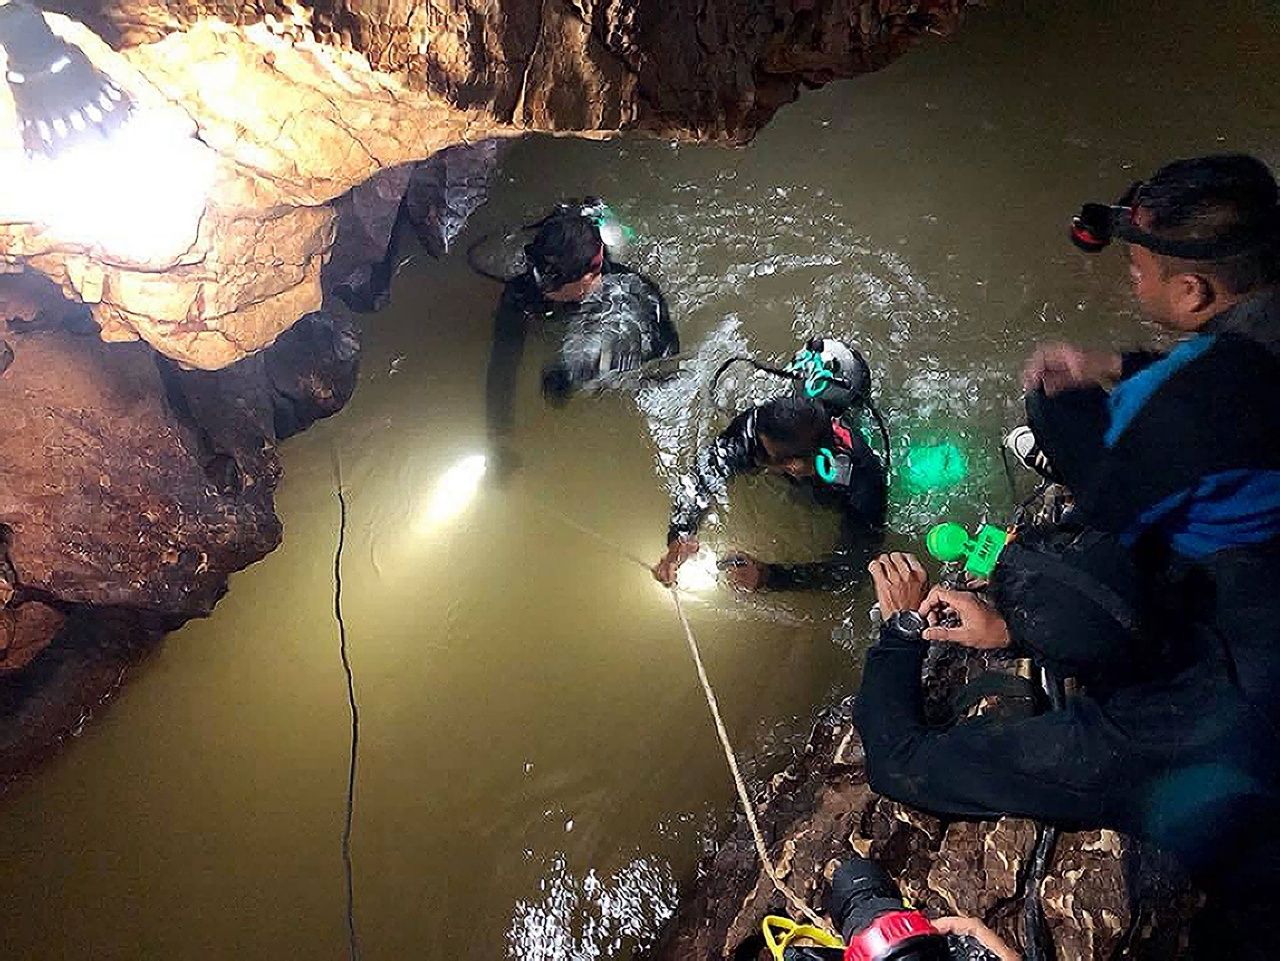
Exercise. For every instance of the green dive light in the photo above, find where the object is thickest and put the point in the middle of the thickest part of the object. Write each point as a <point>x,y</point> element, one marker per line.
<point>950,542</point>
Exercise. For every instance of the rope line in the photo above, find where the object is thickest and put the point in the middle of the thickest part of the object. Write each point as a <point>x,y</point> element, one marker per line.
<point>744,798</point>
<point>353,947</point>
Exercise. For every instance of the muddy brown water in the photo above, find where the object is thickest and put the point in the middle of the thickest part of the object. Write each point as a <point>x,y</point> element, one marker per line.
<point>538,775</point>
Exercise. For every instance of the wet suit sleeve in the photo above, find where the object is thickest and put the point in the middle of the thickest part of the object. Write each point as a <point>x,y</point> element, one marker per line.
<point>731,454</point>
<point>504,362</point>
<point>863,506</point>
<point>666,340</point>
<point>1060,766</point>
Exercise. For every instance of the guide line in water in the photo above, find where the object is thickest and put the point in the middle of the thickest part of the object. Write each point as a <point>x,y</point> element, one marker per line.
<point>762,850</point>
<point>353,946</point>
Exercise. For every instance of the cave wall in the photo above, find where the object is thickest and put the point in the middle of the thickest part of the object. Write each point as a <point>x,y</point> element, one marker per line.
<point>130,489</point>
<point>295,104</point>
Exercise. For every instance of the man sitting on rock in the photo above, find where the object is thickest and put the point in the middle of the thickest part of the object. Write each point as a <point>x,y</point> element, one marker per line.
<point>1164,746</point>
<point>601,319</point>
<point>1178,453</point>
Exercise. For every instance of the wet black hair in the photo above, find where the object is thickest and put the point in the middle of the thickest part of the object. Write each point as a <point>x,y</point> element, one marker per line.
<point>1207,198</point>
<point>797,425</point>
<point>564,249</point>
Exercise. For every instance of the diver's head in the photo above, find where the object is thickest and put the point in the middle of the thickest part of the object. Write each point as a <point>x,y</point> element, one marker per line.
<point>792,429</point>
<point>566,257</point>
<point>1203,234</point>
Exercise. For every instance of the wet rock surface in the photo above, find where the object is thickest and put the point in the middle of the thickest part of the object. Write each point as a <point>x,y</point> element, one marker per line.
<point>294,105</point>
<point>433,199</point>
<point>130,489</point>
<point>1104,895</point>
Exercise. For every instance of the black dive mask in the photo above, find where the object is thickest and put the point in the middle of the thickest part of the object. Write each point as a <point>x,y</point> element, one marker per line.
<point>1096,225</point>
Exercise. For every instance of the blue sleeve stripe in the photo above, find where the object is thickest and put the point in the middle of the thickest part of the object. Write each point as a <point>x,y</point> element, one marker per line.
<point>1230,509</point>
<point>1132,393</point>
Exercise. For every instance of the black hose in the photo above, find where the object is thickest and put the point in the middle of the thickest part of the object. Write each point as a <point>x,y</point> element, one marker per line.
<point>483,272</point>
<point>1035,929</point>
<point>483,238</point>
<point>353,947</point>
<point>777,372</point>
<point>1039,942</point>
<point>792,375</point>
<point>884,434</point>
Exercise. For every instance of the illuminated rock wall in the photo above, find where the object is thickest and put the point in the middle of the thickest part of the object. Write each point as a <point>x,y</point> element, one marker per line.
<point>294,105</point>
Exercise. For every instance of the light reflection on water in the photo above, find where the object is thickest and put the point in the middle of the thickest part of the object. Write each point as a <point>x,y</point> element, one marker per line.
<point>515,674</point>
<point>582,918</point>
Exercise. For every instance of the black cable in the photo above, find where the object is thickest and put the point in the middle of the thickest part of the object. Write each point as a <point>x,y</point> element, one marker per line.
<point>884,434</point>
<point>353,948</point>
<point>1035,928</point>
<point>482,271</point>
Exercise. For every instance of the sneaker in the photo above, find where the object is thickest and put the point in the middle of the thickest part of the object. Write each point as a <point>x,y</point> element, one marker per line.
<point>1022,444</point>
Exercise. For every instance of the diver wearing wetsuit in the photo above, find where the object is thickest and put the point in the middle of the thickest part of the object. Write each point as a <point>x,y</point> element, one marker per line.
<point>784,436</point>
<point>602,319</point>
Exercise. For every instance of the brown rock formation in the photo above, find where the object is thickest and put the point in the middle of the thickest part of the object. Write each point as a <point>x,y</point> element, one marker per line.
<point>129,490</point>
<point>295,104</point>
<point>1105,897</point>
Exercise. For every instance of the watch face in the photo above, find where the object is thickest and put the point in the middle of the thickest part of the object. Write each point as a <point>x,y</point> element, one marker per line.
<point>909,622</point>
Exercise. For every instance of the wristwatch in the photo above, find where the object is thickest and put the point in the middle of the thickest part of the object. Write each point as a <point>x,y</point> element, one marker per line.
<point>906,625</point>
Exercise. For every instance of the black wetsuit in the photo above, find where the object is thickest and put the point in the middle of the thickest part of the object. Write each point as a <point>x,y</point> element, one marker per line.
<point>620,326</point>
<point>862,504</point>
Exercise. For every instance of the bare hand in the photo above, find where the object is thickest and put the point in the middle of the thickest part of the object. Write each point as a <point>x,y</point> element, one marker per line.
<point>980,625</point>
<point>1059,367</point>
<point>973,928</point>
<point>900,581</point>
<point>744,572</point>
<point>678,551</point>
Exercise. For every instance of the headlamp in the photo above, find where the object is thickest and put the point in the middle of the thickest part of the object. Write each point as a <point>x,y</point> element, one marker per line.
<point>61,98</point>
<point>1096,225</point>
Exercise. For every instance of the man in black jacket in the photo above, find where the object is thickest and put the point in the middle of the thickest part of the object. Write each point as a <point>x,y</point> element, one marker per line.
<point>785,437</point>
<point>1183,452</point>
<point>601,319</point>
<point>1181,458</point>
<point>1177,756</point>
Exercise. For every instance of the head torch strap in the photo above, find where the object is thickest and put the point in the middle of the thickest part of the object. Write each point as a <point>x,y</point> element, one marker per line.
<point>1213,248</point>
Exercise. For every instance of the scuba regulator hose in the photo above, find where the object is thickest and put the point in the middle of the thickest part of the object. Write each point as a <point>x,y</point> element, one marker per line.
<point>799,378</point>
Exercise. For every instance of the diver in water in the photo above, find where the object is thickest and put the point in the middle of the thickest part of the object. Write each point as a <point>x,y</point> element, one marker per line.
<point>602,319</point>
<point>811,437</point>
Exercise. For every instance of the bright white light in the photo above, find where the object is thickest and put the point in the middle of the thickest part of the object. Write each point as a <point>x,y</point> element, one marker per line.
<point>455,489</point>
<point>138,194</point>
<point>699,573</point>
